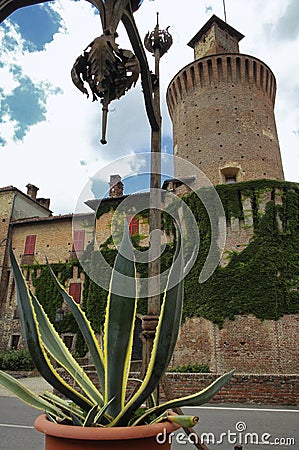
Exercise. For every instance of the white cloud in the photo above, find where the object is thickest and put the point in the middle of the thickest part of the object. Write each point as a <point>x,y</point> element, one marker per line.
<point>50,153</point>
<point>10,82</point>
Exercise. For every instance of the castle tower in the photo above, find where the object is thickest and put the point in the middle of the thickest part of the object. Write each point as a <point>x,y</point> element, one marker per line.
<point>222,110</point>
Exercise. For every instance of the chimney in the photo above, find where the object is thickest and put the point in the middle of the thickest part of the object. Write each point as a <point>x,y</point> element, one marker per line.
<point>116,186</point>
<point>44,202</point>
<point>32,190</point>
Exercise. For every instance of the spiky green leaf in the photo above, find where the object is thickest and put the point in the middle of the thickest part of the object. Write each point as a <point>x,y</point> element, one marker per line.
<point>58,350</point>
<point>33,339</point>
<point>66,406</point>
<point>89,420</point>
<point>196,399</point>
<point>119,325</point>
<point>27,396</point>
<point>86,330</point>
<point>102,417</point>
<point>165,339</point>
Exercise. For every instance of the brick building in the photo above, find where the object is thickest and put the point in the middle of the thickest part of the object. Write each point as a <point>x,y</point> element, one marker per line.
<point>37,234</point>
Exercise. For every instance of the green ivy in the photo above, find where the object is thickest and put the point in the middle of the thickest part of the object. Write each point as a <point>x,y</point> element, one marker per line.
<point>191,368</point>
<point>263,278</point>
<point>46,291</point>
<point>48,294</point>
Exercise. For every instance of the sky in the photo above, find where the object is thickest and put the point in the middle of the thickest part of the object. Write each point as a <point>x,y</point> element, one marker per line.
<point>50,133</point>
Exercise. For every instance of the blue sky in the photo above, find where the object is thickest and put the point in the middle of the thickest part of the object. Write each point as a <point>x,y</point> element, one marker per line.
<point>37,25</point>
<point>49,132</point>
<point>26,103</point>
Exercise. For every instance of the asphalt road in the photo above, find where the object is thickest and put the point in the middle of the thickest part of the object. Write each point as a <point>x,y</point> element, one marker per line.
<point>17,432</point>
<point>16,426</point>
<point>254,428</point>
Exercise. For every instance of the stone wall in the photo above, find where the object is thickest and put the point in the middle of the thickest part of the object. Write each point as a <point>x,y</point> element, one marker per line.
<point>53,239</point>
<point>6,205</point>
<point>245,344</point>
<point>265,389</point>
<point>257,389</point>
<point>103,228</point>
<point>105,221</point>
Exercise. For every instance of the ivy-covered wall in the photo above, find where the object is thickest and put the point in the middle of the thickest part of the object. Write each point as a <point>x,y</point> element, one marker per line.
<point>262,279</point>
<point>225,319</point>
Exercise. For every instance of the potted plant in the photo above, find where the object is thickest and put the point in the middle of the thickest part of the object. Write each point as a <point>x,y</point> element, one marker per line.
<point>104,418</point>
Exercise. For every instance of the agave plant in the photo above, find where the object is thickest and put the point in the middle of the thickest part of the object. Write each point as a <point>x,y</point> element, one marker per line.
<point>107,406</point>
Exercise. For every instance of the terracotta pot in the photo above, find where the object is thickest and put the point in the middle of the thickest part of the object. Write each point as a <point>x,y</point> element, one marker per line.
<point>144,437</point>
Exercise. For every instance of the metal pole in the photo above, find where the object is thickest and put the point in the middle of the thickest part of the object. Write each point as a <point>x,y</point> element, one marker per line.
<point>224,10</point>
<point>153,306</point>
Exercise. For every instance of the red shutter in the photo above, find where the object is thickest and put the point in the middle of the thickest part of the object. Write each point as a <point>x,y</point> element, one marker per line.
<point>133,225</point>
<point>79,238</point>
<point>75,291</point>
<point>30,245</point>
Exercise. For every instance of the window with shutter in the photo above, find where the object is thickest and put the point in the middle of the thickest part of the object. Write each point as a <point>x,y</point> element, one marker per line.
<point>78,241</point>
<point>30,245</point>
<point>133,225</point>
<point>75,291</point>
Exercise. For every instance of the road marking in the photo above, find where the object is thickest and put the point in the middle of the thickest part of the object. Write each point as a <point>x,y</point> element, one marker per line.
<point>227,408</point>
<point>15,426</point>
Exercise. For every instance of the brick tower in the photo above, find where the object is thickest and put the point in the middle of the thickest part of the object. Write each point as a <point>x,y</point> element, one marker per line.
<point>222,110</point>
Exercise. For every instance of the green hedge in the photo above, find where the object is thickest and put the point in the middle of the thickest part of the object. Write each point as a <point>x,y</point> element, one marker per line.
<point>16,360</point>
<point>191,368</point>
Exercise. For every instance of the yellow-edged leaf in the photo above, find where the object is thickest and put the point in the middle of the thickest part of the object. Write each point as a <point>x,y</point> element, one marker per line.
<point>58,350</point>
<point>34,342</point>
<point>119,326</point>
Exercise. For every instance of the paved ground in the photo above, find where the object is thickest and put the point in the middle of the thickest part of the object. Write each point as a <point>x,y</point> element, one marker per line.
<point>16,418</point>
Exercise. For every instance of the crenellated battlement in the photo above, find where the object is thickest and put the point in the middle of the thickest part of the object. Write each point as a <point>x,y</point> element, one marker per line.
<point>214,70</point>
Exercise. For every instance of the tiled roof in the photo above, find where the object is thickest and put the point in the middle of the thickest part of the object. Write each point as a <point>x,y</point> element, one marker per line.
<point>14,189</point>
<point>50,218</point>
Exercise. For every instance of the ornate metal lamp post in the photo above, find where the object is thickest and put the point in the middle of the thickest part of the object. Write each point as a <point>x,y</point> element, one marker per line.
<point>110,72</point>
<point>157,42</point>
